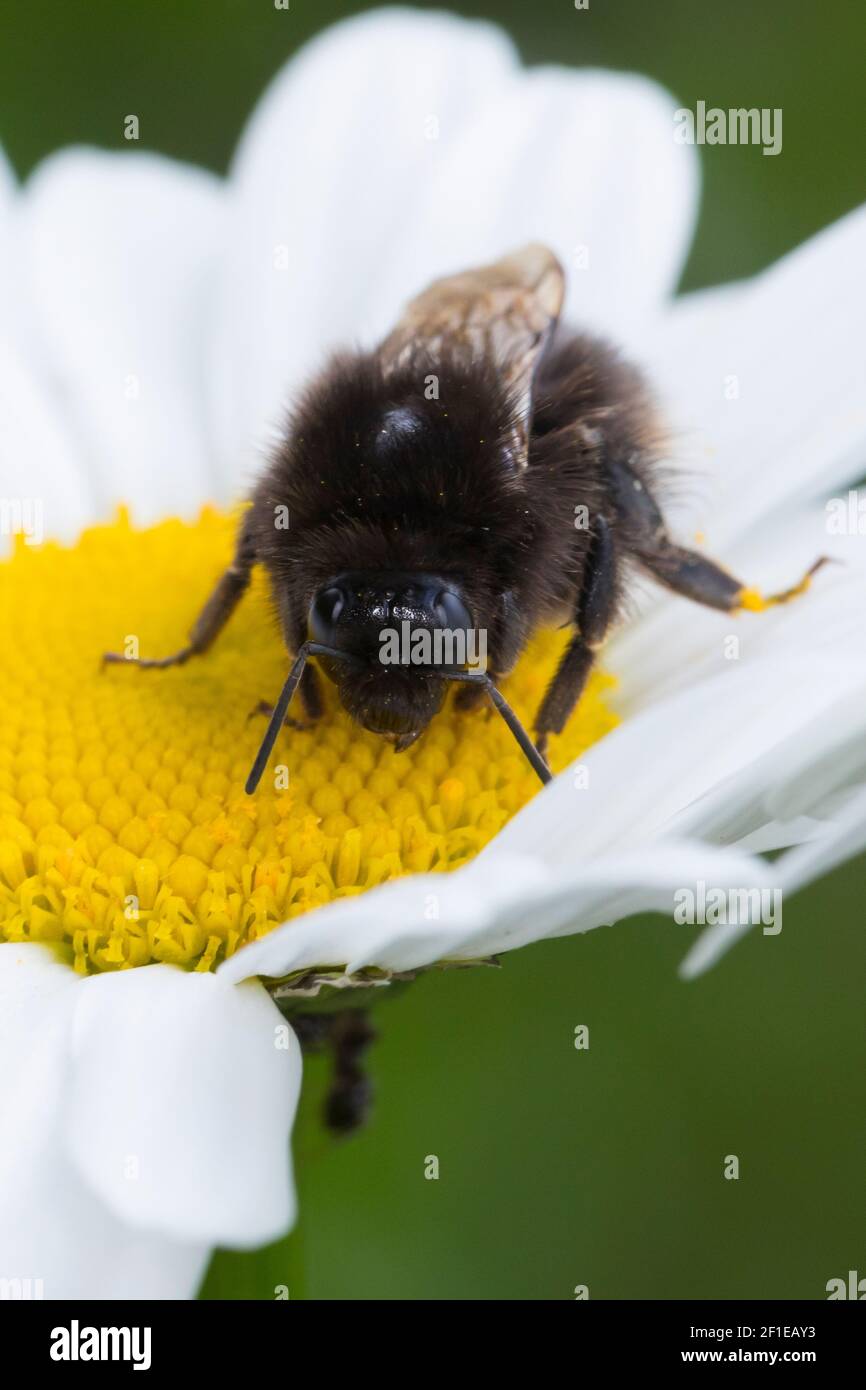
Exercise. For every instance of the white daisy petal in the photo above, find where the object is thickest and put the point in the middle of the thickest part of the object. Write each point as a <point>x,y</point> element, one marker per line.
<point>710,735</point>
<point>710,946</point>
<point>605,890</point>
<point>55,1232</point>
<point>432,118</point>
<point>180,1104</point>
<point>677,642</point>
<point>324,178</point>
<point>536,165</point>
<point>37,997</point>
<point>120,260</point>
<point>8,194</point>
<point>844,838</point>
<point>58,1232</point>
<point>145,1115</point>
<point>841,840</point>
<point>766,382</point>
<point>46,492</point>
<point>43,484</point>
<point>400,925</point>
<point>803,777</point>
<point>748,744</point>
<point>8,186</point>
<point>497,903</point>
<point>731,719</point>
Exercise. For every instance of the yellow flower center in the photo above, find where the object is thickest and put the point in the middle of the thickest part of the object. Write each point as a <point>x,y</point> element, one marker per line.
<point>125,833</point>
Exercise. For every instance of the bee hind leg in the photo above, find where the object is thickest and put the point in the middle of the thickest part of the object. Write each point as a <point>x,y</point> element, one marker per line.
<point>702,580</point>
<point>346,1035</point>
<point>349,1098</point>
<point>596,609</point>
<point>685,571</point>
<point>347,1105</point>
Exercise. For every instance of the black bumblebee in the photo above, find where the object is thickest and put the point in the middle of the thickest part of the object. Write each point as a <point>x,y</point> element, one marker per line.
<point>482,470</point>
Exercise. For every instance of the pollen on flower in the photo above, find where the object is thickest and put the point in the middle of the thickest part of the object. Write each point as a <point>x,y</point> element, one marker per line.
<point>125,834</point>
<point>752,601</point>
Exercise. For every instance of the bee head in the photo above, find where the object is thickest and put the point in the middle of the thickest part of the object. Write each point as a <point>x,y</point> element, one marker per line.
<point>396,629</point>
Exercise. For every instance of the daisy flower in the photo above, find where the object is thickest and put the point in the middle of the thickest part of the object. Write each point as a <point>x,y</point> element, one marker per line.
<point>158,925</point>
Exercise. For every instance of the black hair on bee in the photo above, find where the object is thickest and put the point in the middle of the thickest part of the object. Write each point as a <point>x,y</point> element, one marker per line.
<point>481,471</point>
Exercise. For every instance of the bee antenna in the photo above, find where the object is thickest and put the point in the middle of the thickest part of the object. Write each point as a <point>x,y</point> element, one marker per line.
<point>533,757</point>
<point>501,705</point>
<point>293,680</point>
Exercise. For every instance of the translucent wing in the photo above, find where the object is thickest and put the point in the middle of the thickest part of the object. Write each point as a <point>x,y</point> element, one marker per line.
<point>505,312</point>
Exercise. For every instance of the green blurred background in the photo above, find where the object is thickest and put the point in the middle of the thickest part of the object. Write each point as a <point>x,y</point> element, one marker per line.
<point>557,1167</point>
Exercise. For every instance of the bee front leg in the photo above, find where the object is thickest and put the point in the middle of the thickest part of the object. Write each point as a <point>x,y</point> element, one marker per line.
<point>213,617</point>
<point>596,609</point>
<point>310,691</point>
<point>469,697</point>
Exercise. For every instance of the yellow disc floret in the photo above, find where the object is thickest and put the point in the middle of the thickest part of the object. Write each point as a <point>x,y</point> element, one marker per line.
<point>125,833</point>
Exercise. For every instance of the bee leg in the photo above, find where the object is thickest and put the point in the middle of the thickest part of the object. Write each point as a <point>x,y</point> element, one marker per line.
<point>702,580</point>
<point>683,570</point>
<point>213,617</point>
<point>347,1035</point>
<point>310,692</point>
<point>469,697</point>
<point>596,608</point>
<point>266,708</point>
<point>348,1101</point>
<point>404,741</point>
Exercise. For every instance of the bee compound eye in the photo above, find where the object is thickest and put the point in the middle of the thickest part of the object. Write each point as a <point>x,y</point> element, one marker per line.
<point>451,612</point>
<point>325,611</point>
